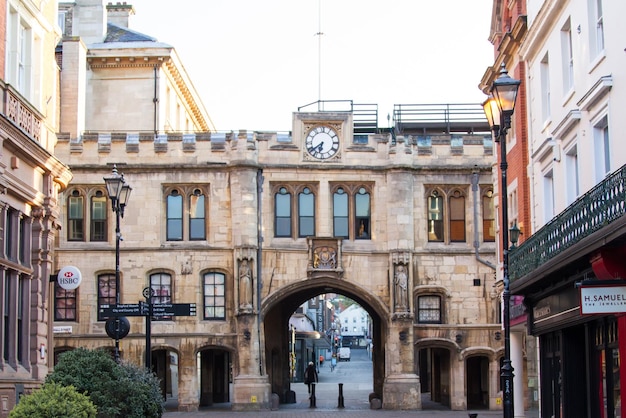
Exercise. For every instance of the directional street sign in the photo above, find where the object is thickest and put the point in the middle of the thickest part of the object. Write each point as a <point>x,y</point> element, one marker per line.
<point>173,309</point>
<point>131,309</point>
<point>142,309</point>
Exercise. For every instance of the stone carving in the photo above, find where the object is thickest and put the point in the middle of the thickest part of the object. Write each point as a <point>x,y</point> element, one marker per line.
<point>245,285</point>
<point>401,280</point>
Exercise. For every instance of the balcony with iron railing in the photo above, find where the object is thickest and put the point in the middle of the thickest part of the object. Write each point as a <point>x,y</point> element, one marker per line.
<point>599,207</point>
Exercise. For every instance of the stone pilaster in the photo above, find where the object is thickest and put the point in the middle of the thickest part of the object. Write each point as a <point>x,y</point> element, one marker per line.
<point>401,389</point>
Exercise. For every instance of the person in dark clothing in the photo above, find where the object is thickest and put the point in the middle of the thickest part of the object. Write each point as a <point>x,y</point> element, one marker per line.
<point>310,375</point>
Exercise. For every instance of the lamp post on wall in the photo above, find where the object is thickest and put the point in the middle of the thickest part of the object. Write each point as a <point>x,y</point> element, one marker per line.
<point>499,109</point>
<point>119,192</point>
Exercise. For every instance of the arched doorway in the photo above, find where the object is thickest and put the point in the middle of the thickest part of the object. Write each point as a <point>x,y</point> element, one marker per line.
<point>477,382</point>
<point>215,370</point>
<point>165,367</point>
<point>279,307</point>
<point>434,372</point>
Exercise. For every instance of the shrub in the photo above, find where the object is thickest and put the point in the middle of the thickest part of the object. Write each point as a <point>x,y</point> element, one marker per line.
<point>117,390</point>
<point>54,401</point>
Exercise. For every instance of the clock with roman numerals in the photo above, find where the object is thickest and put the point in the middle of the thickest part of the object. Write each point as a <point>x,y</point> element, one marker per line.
<point>322,142</point>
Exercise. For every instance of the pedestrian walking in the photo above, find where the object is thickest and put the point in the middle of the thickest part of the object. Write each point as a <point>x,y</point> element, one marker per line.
<point>310,375</point>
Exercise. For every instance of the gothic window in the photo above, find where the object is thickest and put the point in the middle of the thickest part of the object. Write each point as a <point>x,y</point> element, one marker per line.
<point>174,216</point>
<point>489,216</point>
<point>107,294</point>
<point>294,215</point>
<point>197,222</point>
<point>446,215</point>
<point>214,295</point>
<point>190,200</point>
<point>352,212</point>
<point>457,217</point>
<point>282,219</point>
<point>98,217</point>
<point>306,213</point>
<point>75,217</point>
<point>435,217</point>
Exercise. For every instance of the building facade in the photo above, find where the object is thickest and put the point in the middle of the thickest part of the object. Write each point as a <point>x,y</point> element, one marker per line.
<point>248,226</point>
<point>574,57</point>
<point>31,179</point>
<point>508,30</point>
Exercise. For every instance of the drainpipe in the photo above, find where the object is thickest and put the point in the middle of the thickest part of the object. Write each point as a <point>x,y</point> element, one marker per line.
<point>475,197</point>
<point>259,254</point>
<point>155,99</point>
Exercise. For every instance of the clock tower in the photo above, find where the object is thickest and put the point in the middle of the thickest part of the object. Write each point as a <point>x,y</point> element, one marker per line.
<point>322,135</point>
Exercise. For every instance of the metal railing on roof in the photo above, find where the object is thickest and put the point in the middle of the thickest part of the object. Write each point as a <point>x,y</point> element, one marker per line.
<point>448,118</point>
<point>364,115</point>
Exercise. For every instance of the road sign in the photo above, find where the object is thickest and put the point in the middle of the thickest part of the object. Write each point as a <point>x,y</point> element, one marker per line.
<point>130,309</point>
<point>173,309</point>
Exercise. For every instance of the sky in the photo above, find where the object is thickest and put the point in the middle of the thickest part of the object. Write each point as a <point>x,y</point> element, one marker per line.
<point>255,62</point>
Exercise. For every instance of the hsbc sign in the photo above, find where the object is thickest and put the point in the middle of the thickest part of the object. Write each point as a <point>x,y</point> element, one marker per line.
<point>69,277</point>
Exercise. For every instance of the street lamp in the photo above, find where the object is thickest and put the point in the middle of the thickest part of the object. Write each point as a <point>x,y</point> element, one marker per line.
<point>498,110</point>
<point>119,192</point>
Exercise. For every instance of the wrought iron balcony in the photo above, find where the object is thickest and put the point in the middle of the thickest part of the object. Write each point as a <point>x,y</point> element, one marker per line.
<point>603,204</point>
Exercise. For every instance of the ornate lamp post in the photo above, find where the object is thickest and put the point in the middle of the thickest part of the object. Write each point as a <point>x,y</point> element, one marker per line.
<point>119,192</point>
<point>499,109</point>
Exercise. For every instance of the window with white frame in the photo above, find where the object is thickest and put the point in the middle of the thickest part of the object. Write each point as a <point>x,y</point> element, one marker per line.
<point>596,25</point>
<point>567,57</point>
<point>572,175</point>
<point>548,195</point>
<point>602,148</point>
<point>544,70</point>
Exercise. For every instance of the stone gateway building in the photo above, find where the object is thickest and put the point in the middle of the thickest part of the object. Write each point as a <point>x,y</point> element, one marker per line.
<point>249,225</point>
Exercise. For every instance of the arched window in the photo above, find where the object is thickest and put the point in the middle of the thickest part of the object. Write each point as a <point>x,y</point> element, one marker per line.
<point>362,214</point>
<point>197,224</point>
<point>161,285</point>
<point>489,215</point>
<point>174,216</point>
<point>340,213</point>
<point>75,217</point>
<point>435,217</point>
<point>98,220</point>
<point>282,211</point>
<point>352,212</point>
<point>457,217</point>
<point>306,213</point>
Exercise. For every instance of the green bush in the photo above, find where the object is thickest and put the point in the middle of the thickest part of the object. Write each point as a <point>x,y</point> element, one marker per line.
<point>54,401</point>
<point>117,390</point>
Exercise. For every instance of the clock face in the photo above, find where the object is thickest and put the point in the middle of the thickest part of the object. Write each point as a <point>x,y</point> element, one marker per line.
<point>322,142</point>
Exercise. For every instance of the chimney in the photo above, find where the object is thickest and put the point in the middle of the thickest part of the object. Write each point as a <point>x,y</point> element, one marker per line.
<point>119,14</point>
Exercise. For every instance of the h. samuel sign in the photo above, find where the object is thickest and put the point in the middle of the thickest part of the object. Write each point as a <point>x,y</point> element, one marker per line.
<point>602,299</point>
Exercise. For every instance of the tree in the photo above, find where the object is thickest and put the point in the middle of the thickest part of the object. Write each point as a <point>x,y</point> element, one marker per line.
<point>53,400</point>
<point>117,390</point>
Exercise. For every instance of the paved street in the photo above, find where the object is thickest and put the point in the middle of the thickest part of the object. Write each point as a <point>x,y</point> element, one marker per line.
<point>356,376</point>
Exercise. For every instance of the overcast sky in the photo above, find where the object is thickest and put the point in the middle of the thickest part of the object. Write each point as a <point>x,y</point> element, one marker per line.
<point>254,62</point>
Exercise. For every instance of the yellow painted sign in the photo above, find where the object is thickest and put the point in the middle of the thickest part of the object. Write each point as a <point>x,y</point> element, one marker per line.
<point>253,399</point>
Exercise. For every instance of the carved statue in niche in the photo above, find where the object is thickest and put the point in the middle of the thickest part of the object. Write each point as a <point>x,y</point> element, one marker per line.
<point>245,285</point>
<point>401,280</point>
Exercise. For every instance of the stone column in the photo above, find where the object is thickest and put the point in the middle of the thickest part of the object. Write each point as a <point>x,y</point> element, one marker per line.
<point>188,395</point>
<point>401,389</point>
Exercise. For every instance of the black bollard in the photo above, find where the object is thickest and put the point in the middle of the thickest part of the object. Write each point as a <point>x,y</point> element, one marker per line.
<point>312,397</point>
<point>340,400</point>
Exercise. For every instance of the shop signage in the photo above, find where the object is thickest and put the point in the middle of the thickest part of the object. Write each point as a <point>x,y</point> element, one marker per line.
<point>595,300</point>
